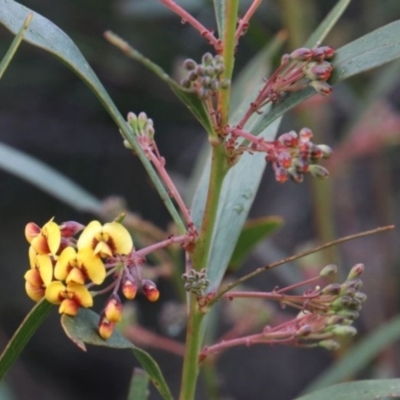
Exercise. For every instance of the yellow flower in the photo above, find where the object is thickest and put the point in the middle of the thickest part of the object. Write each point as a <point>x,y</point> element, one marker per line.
<point>45,240</point>
<point>70,297</point>
<point>106,240</point>
<point>78,266</point>
<point>39,276</point>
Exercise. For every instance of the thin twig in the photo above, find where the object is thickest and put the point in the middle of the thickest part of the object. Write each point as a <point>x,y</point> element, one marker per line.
<point>297,256</point>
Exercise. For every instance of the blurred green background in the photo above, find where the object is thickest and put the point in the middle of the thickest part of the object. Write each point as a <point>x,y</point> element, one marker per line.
<point>47,112</point>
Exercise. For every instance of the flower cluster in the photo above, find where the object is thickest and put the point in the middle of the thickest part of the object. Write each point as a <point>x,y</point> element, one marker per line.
<point>293,155</point>
<point>196,281</point>
<point>63,269</point>
<point>205,78</point>
<point>326,314</point>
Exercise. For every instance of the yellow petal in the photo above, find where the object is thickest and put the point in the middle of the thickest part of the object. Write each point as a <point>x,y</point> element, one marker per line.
<point>69,307</point>
<point>80,294</point>
<point>122,240</point>
<point>34,292</point>
<point>31,231</point>
<point>40,245</point>
<point>55,292</point>
<point>64,263</point>
<point>45,268</point>
<point>32,257</point>
<point>102,249</point>
<point>33,277</point>
<point>92,265</point>
<point>53,234</point>
<point>88,235</point>
<point>76,275</point>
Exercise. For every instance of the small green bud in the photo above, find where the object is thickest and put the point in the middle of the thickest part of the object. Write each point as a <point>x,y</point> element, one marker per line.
<point>329,270</point>
<point>321,87</point>
<point>349,314</point>
<point>207,59</point>
<point>356,271</point>
<point>341,330</point>
<point>332,289</point>
<point>189,64</point>
<point>361,296</point>
<point>326,150</point>
<point>341,303</point>
<point>329,344</point>
<point>318,171</point>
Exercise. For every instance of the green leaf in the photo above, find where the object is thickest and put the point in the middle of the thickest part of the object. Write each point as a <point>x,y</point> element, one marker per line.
<point>5,62</point>
<point>190,99</point>
<point>219,8</point>
<point>237,195</point>
<point>370,51</point>
<point>47,36</point>
<point>360,355</point>
<point>327,24</point>
<point>83,329</point>
<point>48,179</point>
<point>21,337</point>
<point>253,232</point>
<point>138,388</point>
<point>361,390</point>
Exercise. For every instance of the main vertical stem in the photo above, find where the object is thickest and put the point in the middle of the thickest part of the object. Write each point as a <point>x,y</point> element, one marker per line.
<point>193,344</point>
<point>219,168</point>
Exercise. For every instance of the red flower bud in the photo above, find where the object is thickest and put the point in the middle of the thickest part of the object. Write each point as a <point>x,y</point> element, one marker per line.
<point>70,228</point>
<point>106,327</point>
<point>129,288</point>
<point>150,290</point>
<point>113,309</point>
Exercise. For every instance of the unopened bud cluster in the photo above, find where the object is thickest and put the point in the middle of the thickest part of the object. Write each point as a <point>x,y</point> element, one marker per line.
<point>141,125</point>
<point>316,68</point>
<point>331,312</point>
<point>292,155</point>
<point>196,282</point>
<point>205,78</point>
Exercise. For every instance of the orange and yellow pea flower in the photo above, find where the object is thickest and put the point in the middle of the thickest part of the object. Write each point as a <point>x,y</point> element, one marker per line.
<point>39,276</point>
<point>45,240</point>
<point>70,297</point>
<point>106,240</point>
<point>73,266</point>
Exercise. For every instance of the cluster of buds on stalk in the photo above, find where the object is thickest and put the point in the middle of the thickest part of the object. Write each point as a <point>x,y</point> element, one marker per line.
<point>143,129</point>
<point>303,67</point>
<point>204,79</point>
<point>326,313</point>
<point>291,155</point>
<point>196,281</point>
<point>64,270</point>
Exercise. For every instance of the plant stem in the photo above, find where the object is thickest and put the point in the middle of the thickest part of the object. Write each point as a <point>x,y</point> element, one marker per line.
<point>193,344</point>
<point>228,54</point>
<point>219,169</point>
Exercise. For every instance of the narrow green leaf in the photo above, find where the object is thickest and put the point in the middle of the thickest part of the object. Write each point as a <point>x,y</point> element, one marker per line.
<point>327,24</point>
<point>48,179</point>
<point>360,355</point>
<point>5,62</point>
<point>138,388</point>
<point>190,99</point>
<point>253,232</point>
<point>219,8</point>
<point>22,335</point>
<point>370,51</point>
<point>361,390</point>
<point>82,329</point>
<point>47,36</point>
